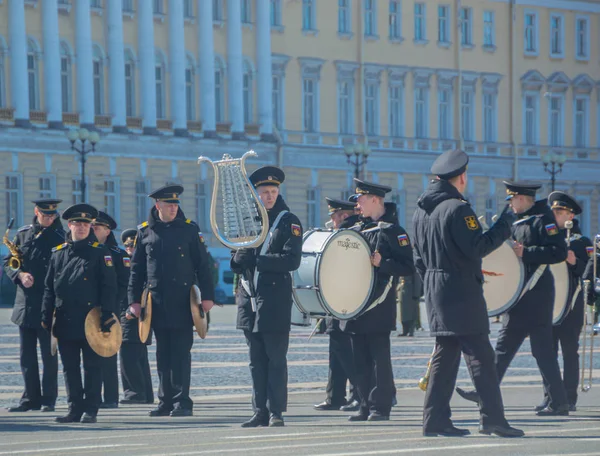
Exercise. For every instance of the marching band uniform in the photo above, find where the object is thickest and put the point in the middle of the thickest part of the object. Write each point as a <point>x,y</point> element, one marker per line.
<point>371,330</point>
<point>267,330</point>
<point>568,331</point>
<point>135,368</point>
<point>169,258</point>
<point>531,316</point>
<point>449,246</point>
<point>80,277</point>
<point>35,244</point>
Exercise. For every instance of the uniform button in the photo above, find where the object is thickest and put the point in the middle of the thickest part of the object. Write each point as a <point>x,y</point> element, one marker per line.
<point>89,303</point>
<point>85,278</point>
<point>182,255</point>
<point>179,248</point>
<point>185,283</point>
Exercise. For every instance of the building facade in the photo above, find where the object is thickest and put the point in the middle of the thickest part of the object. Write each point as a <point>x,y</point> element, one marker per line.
<point>301,82</point>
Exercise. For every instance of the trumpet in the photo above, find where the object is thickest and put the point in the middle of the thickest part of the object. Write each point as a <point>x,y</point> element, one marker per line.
<point>424,381</point>
<point>15,261</point>
<point>588,310</point>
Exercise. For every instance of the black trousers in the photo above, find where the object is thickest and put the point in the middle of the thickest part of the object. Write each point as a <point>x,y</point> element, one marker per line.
<point>174,367</point>
<point>81,396</point>
<point>268,368</point>
<point>374,376</point>
<point>110,380</point>
<point>135,373</point>
<point>341,369</point>
<point>35,394</point>
<point>479,356</point>
<point>509,341</point>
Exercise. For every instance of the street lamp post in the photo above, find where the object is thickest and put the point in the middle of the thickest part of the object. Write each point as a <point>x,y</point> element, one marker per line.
<point>83,135</point>
<point>551,160</point>
<point>360,153</point>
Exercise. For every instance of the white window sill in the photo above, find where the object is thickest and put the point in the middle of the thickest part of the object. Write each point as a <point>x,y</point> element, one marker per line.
<point>531,53</point>
<point>420,42</point>
<point>396,39</point>
<point>582,58</point>
<point>218,23</point>
<point>489,48</point>
<point>129,14</point>
<point>468,46</point>
<point>444,44</point>
<point>371,37</point>
<point>345,35</point>
<point>278,28</point>
<point>159,17</point>
<point>191,20</point>
<point>310,32</point>
<point>557,55</point>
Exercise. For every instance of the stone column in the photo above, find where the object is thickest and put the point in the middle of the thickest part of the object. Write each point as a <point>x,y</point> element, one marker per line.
<point>85,69</point>
<point>206,61</point>
<point>147,67</point>
<point>234,69</point>
<point>52,85</point>
<point>19,87</point>
<point>264,70</point>
<point>177,66</point>
<point>116,55</point>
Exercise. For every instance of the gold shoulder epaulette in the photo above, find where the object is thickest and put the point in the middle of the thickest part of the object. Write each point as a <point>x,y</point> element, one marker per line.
<point>96,245</point>
<point>142,225</point>
<point>59,247</point>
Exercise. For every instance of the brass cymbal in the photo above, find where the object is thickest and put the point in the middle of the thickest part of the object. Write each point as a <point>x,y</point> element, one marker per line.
<point>145,320</point>
<point>105,344</point>
<point>198,314</point>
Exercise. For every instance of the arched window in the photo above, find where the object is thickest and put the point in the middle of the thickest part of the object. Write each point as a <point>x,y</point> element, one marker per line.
<point>190,88</point>
<point>98,71</point>
<point>219,89</point>
<point>66,72</point>
<point>160,75</point>
<point>129,83</point>
<point>3,49</point>
<point>33,75</point>
<point>248,79</point>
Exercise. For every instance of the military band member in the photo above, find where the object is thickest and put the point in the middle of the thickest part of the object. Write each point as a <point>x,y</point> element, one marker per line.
<point>449,246</point>
<point>538,243</point>
<point>35,243</point>
<point>169,258</point>
<point>135,369</point>
<point>392,257</point>
<point>103,227</point>
<point>81,276</point>
<point>409,292</point>
<point>567,332</point>
<point>341,364</point>
<point>267,330</point>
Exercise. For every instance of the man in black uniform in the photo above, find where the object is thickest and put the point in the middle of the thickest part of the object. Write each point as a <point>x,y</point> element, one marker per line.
<point>267,328</point>
<point>567,332</point>
<point>35,243</point>
<point>169,258</point>
<point>391,257</point>
<point>80,277</point>
<point>135,369</point>
<point>341,364</point>
<point>538,244</point>
<point>449,246</point>
<point>103,227</point>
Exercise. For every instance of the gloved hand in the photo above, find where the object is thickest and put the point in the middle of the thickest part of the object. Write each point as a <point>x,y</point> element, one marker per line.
<point>507,215</point>
<point>106,321</point>
<point>246,258</point>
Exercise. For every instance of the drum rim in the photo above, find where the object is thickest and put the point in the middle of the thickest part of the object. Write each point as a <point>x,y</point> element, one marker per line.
<point>515,298</point>
<point>566,307</point>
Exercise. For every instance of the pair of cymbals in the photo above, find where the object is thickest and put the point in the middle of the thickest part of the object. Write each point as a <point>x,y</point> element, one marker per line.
<point>105,344</point>
<point>145,320</point>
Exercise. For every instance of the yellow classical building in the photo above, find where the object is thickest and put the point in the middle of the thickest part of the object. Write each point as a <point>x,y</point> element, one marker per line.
<point>302,82</point>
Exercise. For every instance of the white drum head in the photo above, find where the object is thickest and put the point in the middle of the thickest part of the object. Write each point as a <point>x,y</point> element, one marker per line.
<point>503,279</point>
<point>560,272</point>
<point>345,274</point>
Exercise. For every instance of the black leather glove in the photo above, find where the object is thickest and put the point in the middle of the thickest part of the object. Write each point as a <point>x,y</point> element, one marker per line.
<point>507,215</point>
<point>246,258</point>
<point>106,321</point>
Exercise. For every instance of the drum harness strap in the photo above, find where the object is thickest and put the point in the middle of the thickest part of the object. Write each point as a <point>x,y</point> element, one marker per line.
<point>388,286</point>
<point>575,237</point>
<point>246,283</point>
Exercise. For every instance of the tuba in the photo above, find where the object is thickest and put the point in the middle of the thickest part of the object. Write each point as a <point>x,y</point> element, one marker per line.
<point>244,220</point>
<point>15,260</point>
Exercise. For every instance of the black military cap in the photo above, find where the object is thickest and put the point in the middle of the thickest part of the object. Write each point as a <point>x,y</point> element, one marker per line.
<point>168,193</point>
<point>520,188</point>
<point>450,164</point>
<point>369,188</point>
<point>353,198</point>
<point>106,220</point>
<point>128,237</point>
<point>335,205</point>
<point>47,206</point>
<point>560,200</point>
<point>267,175</point>
<point>80,213</point>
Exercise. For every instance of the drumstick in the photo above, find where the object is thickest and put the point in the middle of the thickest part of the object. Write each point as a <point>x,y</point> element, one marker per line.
<point>314,331</point>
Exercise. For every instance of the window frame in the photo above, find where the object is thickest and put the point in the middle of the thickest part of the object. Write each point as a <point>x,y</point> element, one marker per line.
<point>116,191</point>
<point>467,109</point>
<point>581,143</point>
<point>447,125</point>
<point>33,75</point>
<point>534,32</point>
<point>18,197</point>
<point>275,13</point>
<point>586,54</point>
<point>314,127</point>
<point>370,19</point>
<point>560,53</point>
<point>420,22</point>
<point>466,27</point>
<point>445,19</point>
<point>423,131</point>
<point>490,131</point>
<point>309,16</point>
<point>66,78</point>
<point>372,107</point>
<point>142,201</point>
<point>396,129</point>
<point>491,24</point>
<point>536,121</point>
<point>560,141</point>
<point>344,17</point>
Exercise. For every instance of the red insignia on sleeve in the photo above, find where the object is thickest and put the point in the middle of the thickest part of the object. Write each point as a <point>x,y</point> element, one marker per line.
<point>296,230</point>
<point>126,262</point>
<point>201,236</point>
<point>590,251</point>
<point>403,240</point>
<point>551,229</point>
<point>108,261</point>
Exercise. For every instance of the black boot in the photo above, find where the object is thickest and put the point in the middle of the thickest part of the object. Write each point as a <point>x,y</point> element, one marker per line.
<point>258,419</point>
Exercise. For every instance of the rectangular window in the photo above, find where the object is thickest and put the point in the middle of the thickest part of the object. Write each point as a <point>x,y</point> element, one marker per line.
<point>395,20</point>
<point>190,102</point>
<point>489,33</point>
<point>277,101</point>
<point>275,13</point>
<point>96,4</point>
<point>444,112</point>
<point>98,74</point>
<point>489,117</point>
<point>466,27</point>
<point>47,184</point>
<point>308,15</point>
<point>531,120</point>
<point>312,207</point>
<point>396,111</point>
<point>556,121</point>
<point>129,90</point>
<point>490,209</point>
<point>217,10</point>
<point>372,108</point>
<point>32,81</point>
<point>202,206</point>
<point>247,95</point>
<point>309,104</point>
<point>111,189</point>
<point>219,96</point>
<point>443,21</point>
<point>76,190</point>
<point>581,121</point>
<point>344,16</point>
<point>246,10</point>
<point>582,38</point>
<point>467,114</point>
<point>142,202</point>
<point>160,106</point>
<point>158,6</point>
<point>2,83</point>
<point>344,107</point>
<point>420,112</point>
<point>127,5</point>
<point>530,32</point>
<point>420,31</point>
<point>370,18</point>
<point>64,83</point>
<point>13,189</point>
<point>556,35</point>
<point>188,8</point>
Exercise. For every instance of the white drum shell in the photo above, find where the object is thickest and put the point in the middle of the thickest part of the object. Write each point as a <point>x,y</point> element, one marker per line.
<point>502,292</point>
<point>299,318</point>
<point>562,303</point>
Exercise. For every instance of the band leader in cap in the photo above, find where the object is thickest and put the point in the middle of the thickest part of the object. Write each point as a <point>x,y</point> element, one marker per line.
<point>267,175</point>
<point>450,164</point>
<point>80,213</point>
<point>167,194</point>
<point>560,200</point>
<point>47,206</point>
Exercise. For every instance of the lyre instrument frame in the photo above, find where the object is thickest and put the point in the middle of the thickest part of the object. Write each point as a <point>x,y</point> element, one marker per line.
<point>588,320</point>
<point>16,261</point>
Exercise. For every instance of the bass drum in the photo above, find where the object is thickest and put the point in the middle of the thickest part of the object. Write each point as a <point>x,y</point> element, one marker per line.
<point>335,277</point>
<point>504,277</point>
<point>562,303</point>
